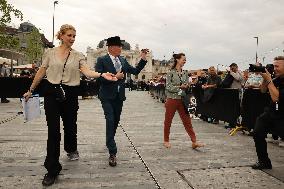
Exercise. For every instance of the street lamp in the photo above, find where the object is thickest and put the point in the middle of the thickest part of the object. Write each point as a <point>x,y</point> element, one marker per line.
<point>256,57</point>
<point>54,3</point>
<point>218,67</point>
<point>263,58</point>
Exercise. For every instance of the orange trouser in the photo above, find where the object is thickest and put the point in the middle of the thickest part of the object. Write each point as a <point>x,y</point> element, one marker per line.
<point>173,105</point>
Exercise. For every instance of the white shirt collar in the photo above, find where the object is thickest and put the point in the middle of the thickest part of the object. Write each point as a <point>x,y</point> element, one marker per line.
<point>112,57</point>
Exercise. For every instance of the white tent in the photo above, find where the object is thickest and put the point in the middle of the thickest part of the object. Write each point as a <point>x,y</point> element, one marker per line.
<point>23,67</point>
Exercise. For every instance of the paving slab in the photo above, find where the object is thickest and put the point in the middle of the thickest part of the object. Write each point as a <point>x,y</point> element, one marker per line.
<point>223,163</point>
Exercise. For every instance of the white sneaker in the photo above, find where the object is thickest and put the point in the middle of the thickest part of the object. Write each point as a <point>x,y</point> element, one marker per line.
<point>271,140</point>
<point>73,156</point>
<point>281,143</point>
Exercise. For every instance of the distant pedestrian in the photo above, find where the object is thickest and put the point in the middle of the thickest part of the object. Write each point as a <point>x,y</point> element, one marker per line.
<point>4,72</point>
<point>130,84</point>
<point>237,75</point>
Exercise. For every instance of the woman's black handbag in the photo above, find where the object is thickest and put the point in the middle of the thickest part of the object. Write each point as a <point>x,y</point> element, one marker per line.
<point>186,100</point>
<point>59,93</point>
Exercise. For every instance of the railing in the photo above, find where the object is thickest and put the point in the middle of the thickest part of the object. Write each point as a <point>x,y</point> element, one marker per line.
<point>16,87</point>
<point>226,104</point>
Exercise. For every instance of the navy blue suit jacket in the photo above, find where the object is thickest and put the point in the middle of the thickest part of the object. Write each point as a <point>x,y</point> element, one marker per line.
<point>109,89</point>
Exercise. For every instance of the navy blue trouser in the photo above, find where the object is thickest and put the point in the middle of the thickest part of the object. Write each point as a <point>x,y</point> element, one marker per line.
<point>112,110</point>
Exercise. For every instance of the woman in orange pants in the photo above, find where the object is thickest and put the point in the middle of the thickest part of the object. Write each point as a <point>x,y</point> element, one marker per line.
<point>176,84</point>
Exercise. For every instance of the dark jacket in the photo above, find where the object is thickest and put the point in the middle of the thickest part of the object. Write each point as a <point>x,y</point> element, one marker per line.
<point>109,89</point>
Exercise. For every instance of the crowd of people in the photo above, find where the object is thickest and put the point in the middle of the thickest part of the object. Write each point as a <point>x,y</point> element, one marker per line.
<point>264,79</point>
<point>137,84</point>
<point>5,71</point>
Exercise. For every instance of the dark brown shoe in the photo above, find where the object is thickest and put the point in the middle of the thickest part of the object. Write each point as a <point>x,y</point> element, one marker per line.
<point>112,160</point>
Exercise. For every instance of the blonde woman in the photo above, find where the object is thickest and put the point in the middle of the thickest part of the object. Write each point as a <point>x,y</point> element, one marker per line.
<point>176,84</point>
<point>62,66</point>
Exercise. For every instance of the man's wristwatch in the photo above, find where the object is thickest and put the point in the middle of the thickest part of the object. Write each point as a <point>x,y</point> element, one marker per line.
<point>268,82</point>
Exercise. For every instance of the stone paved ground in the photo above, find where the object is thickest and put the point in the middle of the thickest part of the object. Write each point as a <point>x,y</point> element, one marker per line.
<point>223,163</point>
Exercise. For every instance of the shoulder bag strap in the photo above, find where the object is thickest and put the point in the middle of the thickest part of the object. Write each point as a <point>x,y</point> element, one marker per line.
<point>65,66</point>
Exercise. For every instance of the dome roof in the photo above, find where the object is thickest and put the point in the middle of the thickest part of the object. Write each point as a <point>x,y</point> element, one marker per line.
<point>26,27</point>
<point>126,45</point>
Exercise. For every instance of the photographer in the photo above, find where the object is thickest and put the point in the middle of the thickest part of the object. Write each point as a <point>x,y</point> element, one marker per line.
<point>237,75</point>
<point>254,80</point>
<point>272,120</point>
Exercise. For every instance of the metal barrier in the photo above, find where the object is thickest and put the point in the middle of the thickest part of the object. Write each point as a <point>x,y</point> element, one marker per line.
<point>158,92</point>
<point>223,105</point>
<point>16,87</point>
<point>227,105</point>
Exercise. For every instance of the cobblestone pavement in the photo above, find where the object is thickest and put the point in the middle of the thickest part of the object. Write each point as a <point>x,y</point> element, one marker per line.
<point>143,162</point>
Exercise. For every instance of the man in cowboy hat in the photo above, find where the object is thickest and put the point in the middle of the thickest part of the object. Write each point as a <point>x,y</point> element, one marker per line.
<point>112,94</point>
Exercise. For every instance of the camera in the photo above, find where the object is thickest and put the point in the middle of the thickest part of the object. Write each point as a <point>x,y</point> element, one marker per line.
<point>145,50</point>
<point>255,68</point>
<point>270,69</point>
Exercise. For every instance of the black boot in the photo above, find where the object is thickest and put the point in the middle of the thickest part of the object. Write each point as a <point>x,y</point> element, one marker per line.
<point>48,179</point>
<point>262,165</point>
<point>4,100</point>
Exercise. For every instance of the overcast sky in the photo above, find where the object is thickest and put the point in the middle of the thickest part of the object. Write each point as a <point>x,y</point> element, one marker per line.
<point>209,32</point>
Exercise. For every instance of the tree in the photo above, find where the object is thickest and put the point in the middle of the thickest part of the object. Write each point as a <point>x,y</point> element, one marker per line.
<point>34,46</point>
<point>6,12</point>
<point>9,42</point>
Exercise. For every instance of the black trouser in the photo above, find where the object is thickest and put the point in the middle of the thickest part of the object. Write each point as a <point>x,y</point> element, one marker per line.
<point>112,110</point>
<point>67,110</point>
<point>266,123</point>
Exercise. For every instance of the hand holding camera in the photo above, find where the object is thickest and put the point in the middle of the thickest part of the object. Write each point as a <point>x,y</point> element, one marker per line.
<point>144,53</point>
<point>266,76</point>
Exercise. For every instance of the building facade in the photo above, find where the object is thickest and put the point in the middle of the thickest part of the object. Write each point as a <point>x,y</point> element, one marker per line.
<point>161,67</point>
<point>22,35</point>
